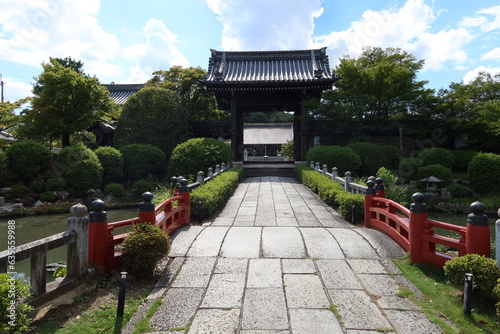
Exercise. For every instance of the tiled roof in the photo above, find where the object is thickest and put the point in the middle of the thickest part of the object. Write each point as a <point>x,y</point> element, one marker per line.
<point>267,134</point>
<point>122,92</point>
<point>258,69</point>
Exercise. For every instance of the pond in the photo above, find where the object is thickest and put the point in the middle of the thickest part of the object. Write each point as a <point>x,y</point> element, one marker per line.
<point>31,228</point>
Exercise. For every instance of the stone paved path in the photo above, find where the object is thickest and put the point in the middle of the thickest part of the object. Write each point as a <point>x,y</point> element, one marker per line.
<point>278,260</point>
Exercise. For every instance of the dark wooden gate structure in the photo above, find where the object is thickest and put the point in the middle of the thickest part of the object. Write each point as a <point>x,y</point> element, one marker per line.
<point>266,81</point>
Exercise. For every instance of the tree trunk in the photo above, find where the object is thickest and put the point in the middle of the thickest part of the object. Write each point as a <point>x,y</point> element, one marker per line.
<point>65,139</point>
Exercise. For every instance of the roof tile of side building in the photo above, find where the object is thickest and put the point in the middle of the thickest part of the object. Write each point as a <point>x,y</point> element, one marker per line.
<point>120,93</point>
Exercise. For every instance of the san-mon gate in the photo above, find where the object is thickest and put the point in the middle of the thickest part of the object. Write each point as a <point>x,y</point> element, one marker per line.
<point>266,81</point>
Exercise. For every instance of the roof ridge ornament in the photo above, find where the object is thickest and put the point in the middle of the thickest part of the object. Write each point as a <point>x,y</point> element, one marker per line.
<point>318,72</point>
<point>219,74</point>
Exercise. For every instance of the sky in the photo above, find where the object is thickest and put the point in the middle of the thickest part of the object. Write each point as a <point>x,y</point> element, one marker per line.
<point>124,41</point>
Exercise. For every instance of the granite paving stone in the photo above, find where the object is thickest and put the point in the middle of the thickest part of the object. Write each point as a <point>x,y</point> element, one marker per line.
<point>298,266</point>
<point>264,309</point>
<point>231,266</point>
<point>208,242</point>
<point>353,245</point>
<point>282,242</point>
<point>336,274</point>
<point>413,322</point>
<point>195,272</point>
<point>242,242</point>
<point>321,244</point>
<point>291,221</point>
<point>264,273</point>
<point>380,285</point>
<point>309,321</point>
<point>223,221</point>
<point>182,240</point>
<point>305,291</point>
<point>224,291</point>
<point>363,266</point>
<point>217,321</point>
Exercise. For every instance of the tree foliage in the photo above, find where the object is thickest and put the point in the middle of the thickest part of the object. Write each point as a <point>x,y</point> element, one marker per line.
<point>380,84</point>
<point>196,102</point>
<point>66,101</point>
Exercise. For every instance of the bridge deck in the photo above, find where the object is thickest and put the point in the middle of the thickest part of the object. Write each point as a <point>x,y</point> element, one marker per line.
<point>273,261</point>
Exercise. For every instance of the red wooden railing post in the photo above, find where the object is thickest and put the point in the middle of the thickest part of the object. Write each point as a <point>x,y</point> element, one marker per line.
<point>98,236</point>
<point>147,209</point>
<point>418,217</point>
<point>477,240</point>
<point>184,192</point>
<point>370,193</point>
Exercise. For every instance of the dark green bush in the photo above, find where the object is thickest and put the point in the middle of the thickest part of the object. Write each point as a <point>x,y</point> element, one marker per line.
<point>141,186</point>
<point>437,155</point>
<point>345,159</point>
<point>394,192</point>
<point>116,190</point>
<point>3,164</point>
<point>215,193</point>
<point>141,161</point>
<point>496,294</point>
<point>112,163</point>
<point>28,159</point>
<point>484,173</point>
<point>38,186</point>
<point>485,271</point>
<point>18,191</point>
<point>408,169</point>
<point>198,154</point>
<point>372,157</point>
<point>463,159</point>
<point>438,171</point>
<point>81,168</point>
<point>18,291</point>
<point>350,203</point>
<point>393,155</point>
<point>47,196</point>
<point>459,191</point>
<point>56,184</point>
<point>143,248</point>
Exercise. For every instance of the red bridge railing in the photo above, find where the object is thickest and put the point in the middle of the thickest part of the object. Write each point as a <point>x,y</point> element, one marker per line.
<point>169,216</point>
<point>413,230</point>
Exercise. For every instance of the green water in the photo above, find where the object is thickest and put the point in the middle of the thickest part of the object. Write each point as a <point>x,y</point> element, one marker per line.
<point>31,228</point>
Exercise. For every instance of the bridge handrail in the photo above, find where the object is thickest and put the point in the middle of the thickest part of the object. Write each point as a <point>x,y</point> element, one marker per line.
<point>413,230</point>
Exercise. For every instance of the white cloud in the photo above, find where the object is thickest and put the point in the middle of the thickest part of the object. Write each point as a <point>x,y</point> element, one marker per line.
<point>495,23</point>
<point>472,75</point>
<point>158,53</point>
<point>15,89</point>
<point>408,28</point>
<point>266,25</point>
<point>469,22</point>
<point>35,30</point>
<point>492,55</point>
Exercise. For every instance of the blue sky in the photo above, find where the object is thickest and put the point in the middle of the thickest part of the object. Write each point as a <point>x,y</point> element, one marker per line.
<point>124,41</point>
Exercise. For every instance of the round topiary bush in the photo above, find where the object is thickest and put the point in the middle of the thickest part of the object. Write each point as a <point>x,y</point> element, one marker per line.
<point>463,159</point>
<point>81,168</point>
<point>437,155</point>
<point>116,190</point>
<point>459,191</point>
<point>372,157</point>
<point>484,173</point>
<point>47,196</point>
<point>112,163</point>
<point>141,186</point>
<point>144,247</point>
<point>198,154</point>
<point>56,184</point>
<point>393,155</point>
<point>16,291</point>
<point>28,159</point>
<point>438,171</point>
<point>344,158</point>
<point>18,191</point>
<point>408,169</point>
<point>485,271</point>
<point>141,161</point>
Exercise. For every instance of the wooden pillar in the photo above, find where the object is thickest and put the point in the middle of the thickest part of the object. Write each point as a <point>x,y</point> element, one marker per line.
<point>297,139</point>
<point>304,133</point>
<point>236,132</point>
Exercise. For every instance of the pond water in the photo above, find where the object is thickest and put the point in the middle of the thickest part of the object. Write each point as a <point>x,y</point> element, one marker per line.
<point>31,228</point>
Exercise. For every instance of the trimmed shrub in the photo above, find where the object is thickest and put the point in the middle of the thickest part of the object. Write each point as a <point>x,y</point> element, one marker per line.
<point>496,294</point>
<point>351,204</point>
<point>81,168</point>
<point>463,159</point>
<point>141,161</point>
<point>459,191</point>
<point>437,155</point>
<point>393,155</point>
<point>47,196</point>
<point>438,171</point>
<point>3,164</point>
<point>485,271</point>
<point>38,186</point>
<point>215,193</point>
<point>56,184</point>
<point>484,173</point>
<point>28,159</point>
<point>18,191</point>
<point>141,186</point>
<point>372,157</point>
<point>408,169</point>
<point>17,291</point>
<point>345,159</point>
<point>143,248</point>
<point>116,190</point>
<point>112,163</point>
<point>198,154</point>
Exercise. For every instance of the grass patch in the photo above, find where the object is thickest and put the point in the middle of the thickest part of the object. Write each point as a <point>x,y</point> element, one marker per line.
<point>334,310</point>
<point>143,325</point>
<point>443,304</point>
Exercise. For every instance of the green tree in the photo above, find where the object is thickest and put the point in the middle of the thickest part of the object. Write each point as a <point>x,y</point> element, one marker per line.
<point>8,116</point>
<point>66,101</point>
<point>196,102</point>
<point>380,84</point>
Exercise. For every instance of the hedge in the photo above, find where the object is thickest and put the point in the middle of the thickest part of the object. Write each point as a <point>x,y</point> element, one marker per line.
<point>345,159</point>
<point>28,159</point>
<point>214,193</point>
<point>331,192</point>
<point>484,173</point>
